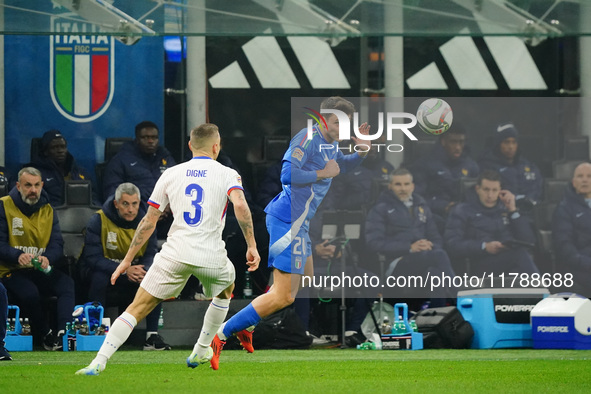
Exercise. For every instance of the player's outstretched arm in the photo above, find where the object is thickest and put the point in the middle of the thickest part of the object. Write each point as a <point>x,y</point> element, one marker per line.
<point>142,234</point>
<point>244,217</point>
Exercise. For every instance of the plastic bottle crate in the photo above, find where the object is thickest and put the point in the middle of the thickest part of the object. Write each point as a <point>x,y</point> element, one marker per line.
<point>89,342</point>
<point>402,337</point>
<point>85,343</point>
<point>14,341</point>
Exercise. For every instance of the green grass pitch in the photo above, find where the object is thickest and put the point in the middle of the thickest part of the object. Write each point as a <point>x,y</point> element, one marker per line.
<point>304,371</point>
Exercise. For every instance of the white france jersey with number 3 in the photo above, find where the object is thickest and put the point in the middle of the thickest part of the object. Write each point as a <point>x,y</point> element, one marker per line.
<point>197,192</point>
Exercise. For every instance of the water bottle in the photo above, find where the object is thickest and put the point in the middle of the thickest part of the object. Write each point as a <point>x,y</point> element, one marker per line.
<point>367,346</point>
<point>37,264</point>
<point>72,330</point>
<point>413,325</point>
<point>76,326</point>
<point>26,327</point>
<point>84,327</point>
<point>386,326</point>
<point>161,318</point>
<point>71,333</point>
<point>101,330</point>
<point>247,291</point>
<point>398,328</point>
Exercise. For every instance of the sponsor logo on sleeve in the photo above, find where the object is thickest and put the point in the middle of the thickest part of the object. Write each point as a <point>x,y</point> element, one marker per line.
<point>297,153</point>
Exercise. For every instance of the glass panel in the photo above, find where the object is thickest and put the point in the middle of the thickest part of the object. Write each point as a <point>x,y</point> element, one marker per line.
<point>334,19</point>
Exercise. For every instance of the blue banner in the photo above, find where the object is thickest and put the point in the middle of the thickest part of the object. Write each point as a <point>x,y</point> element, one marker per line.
<point>90,87</point>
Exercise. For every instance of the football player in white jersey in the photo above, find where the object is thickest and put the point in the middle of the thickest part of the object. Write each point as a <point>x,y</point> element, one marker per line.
<point>198,192</point>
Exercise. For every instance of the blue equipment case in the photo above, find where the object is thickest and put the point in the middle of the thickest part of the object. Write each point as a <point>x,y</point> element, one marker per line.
<point>500,317</point>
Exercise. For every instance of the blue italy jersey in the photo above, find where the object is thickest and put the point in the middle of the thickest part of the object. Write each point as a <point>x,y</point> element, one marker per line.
<point>298,202</point>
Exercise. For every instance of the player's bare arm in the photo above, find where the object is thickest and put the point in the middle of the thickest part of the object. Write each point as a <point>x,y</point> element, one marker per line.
<point>143,232</point>
<point>244,218</point>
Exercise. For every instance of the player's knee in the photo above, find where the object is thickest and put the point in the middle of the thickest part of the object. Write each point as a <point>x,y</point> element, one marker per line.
<point>289,300</point>
<point>284,300</point>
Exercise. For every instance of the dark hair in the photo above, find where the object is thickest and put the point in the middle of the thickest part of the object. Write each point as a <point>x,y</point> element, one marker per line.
<point>146,124</point>
<point>401,171</point>
<point>489,175</point>
<point>456,128</point>
<point>339,103</point>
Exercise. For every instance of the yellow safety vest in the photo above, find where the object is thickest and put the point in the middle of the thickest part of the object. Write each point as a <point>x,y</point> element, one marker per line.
<point>30,234</point>
<point>116,240</point>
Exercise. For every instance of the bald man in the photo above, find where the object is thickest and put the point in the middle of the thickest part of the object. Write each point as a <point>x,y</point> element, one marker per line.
<point>571,230</point>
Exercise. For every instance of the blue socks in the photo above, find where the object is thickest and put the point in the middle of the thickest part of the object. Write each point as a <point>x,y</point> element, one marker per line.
<point>245,318</point>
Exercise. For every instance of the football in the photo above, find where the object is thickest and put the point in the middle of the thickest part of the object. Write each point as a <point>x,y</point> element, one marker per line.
<point>434,116</point>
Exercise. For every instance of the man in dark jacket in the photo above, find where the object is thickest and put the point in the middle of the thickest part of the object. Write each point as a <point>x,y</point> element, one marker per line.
<point>571,229</point>
<point>57,165</point>
<point>108,237</point>
<point>486,227</point>
<point>518,175</point>
<point>29,229</point>
<point>437,176</point>
<point>140,162</point>
<point>401,227</point>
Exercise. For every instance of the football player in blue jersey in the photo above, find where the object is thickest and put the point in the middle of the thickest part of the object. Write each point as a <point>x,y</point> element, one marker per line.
<point>310,163</point>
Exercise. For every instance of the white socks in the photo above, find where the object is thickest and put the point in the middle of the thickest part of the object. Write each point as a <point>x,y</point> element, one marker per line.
<point>213,319</point>
<point>221,333</point>
<point>118,334</point>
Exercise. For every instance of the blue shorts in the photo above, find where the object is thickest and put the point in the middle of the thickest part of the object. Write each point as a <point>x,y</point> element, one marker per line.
<point>286,252</point>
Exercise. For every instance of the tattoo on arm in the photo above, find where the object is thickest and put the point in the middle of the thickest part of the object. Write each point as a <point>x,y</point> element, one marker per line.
<point>245,222</point>
<point>243,215</point>
<point>145,229</point>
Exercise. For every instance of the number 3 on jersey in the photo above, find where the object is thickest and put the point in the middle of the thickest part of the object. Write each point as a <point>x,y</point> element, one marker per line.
<point>195,192</point>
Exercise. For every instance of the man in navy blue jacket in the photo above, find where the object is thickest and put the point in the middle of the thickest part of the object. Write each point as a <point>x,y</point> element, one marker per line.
<point>485,227</point>
<point>571,229</point>
<point>140,162</point>
<point>401,227</point>
<point>57,165</point>
<point>108,237</point>
<point>28,229</point>
<point>518,175</point>
<point>437,176</point>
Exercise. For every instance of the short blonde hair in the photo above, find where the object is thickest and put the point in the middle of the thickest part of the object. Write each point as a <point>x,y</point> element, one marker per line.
<point>202,133</point>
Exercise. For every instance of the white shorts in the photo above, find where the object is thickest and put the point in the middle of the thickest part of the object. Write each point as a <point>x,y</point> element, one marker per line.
<point>166,278</point>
